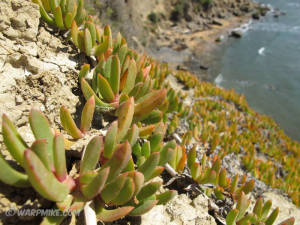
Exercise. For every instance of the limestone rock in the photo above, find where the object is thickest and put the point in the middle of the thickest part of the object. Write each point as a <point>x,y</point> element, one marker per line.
<point>286,208</point>
<point>180,211</point>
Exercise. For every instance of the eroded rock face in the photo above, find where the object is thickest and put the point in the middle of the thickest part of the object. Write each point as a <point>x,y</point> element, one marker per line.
<point>36,70</point>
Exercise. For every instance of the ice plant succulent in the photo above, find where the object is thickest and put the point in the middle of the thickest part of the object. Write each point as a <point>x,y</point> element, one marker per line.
<point>113,82</point>
<point>43,161</point>
<point>124,78</point>
<point>62,13</point>
<point>107,174</point>
<point>260,213</point>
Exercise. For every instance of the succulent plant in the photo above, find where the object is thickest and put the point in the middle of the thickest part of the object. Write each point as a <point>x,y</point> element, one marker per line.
<point>114,81</point>
<point>124,78</point>
<point>62,13</point>
<point>114,183</point>
<point>259,215</point>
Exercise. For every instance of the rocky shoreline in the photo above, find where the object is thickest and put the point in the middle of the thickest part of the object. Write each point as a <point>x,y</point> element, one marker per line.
<point>183,33</point>
<point>199,42</point>
<point>39,68</point>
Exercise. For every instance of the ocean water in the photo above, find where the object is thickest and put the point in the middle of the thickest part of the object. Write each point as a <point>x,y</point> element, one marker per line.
<point>265,65</point>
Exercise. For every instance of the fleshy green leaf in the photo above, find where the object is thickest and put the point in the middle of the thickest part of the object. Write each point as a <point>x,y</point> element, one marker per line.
<point>143,207</point>
<point>231,217</point>
<point>68,20</point>
<point>111,140</point>
<point>113,189</point>
<point>271,219</point>
<point>114,214</point>
<point>74,33</point>
<point>115,75</point>
<point>102,48</point>
<point>132,135</point>
<point>148,167</point>
<point>138,179</point>
<point>126,194</point>
<point>149,102</point>
<point>195,170</point>
<point>42,179</point>
<point>242,205</point>
<point>157,171</point>
<point>68,123</point>
<point>96,185</point>
<point>119,160</point>
<point>126,112</point>
<point>10,176</point>
<point>88,45</point>
<point>165,155</point>
<point>44,14</point>
<point>155,142</point>
<point>130,81</point>
<point>146,131</point>
<point>105,89</point>
<point>146,149</point>
<point>58,18</point>
<point>41,129</point>
<point>148,190</point>
<point>13,141</point>
<point>165,197</point>
<point>248,187</point>
<point>84,71</point>
<point>92,30</point>
<point>222,178</point>
<point>191,157</point>
<point>265,210</point>
<point>91,155</point>
<point>59,157</point>
<point>257,210</point>
<point>39,147</point>
<point>154,117</point>
<point>87,115</point>
<point>88,92</point>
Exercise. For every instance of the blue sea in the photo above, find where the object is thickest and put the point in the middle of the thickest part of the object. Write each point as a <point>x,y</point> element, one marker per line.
<point>264,65</point>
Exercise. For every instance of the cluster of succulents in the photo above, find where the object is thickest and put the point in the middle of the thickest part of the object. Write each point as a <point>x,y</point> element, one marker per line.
<point>62,13</point>
<point>107,174</point>
<point>115,80</point>
<point>203,173</point>
<point>116,171</point>
<point>260,213</point>
<point>218,111</point>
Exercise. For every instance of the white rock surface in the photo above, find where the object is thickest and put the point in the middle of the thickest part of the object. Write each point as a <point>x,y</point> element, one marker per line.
<point>33,68</point>
<point>180,211</point>
<point>286,208</point>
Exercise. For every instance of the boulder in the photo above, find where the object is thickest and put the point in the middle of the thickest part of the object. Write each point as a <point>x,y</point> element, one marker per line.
<point>216,22</point>
<point>236,34</point>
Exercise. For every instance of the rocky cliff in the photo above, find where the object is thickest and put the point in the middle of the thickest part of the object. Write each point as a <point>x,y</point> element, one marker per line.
<point>40,69</point>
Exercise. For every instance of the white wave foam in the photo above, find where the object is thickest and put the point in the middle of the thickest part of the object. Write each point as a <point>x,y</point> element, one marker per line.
<point>244,27</point>
<point>261,51</point>
<point>219,80</point>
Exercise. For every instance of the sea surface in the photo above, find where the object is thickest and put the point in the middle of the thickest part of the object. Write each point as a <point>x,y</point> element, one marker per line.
<point>264,65</point>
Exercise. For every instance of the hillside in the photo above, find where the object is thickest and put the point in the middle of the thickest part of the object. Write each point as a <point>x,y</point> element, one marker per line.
<point>200,141</point>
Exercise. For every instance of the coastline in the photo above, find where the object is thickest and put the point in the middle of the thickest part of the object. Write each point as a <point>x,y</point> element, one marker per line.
<point>53,81</point>
<point>196,50</point>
